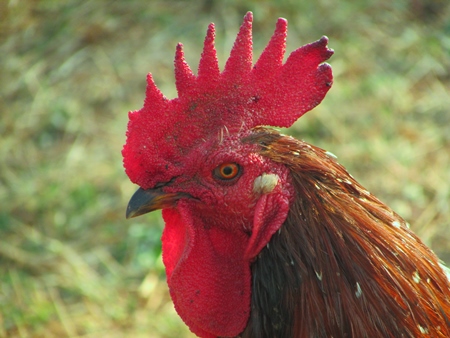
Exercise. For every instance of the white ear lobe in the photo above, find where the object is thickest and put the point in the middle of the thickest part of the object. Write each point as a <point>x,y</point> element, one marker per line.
<point>265,183</point>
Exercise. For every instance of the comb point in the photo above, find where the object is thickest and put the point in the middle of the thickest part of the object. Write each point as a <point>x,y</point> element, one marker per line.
<point>184,78</point>
<point>271,58</point>
<point>239,64</point>
<point>152,93</point>
<point>208,68</point>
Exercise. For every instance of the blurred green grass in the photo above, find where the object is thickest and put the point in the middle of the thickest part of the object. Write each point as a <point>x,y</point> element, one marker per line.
<point>70,264</point>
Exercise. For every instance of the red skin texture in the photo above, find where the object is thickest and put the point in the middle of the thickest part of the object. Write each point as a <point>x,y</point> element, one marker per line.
<point>211,239</point>
<point>161,135</point>
<point>209,242</point>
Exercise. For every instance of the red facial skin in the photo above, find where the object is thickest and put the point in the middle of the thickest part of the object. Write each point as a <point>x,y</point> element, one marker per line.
<point>210,239</point>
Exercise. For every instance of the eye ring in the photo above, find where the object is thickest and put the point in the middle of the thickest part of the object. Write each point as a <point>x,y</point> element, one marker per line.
<point>227,171</point>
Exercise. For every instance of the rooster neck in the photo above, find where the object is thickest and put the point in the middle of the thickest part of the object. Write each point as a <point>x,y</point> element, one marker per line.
<point>343,264</point>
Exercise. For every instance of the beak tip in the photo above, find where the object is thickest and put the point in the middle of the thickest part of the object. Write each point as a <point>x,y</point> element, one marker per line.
<point>130,212</point>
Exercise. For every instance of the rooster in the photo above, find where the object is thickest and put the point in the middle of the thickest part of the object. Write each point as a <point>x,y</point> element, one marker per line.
<point>266,235</point>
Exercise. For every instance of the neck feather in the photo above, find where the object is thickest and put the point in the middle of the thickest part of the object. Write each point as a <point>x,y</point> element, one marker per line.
<point>343,264</point>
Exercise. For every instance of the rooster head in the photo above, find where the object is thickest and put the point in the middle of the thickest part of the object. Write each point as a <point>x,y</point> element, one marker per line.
<point>222,200</point>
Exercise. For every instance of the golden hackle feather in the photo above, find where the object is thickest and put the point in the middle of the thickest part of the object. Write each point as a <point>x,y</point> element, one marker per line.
<point>355,268</point>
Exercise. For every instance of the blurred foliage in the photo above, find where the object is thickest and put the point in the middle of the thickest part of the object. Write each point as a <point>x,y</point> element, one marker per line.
<point>70,264</point>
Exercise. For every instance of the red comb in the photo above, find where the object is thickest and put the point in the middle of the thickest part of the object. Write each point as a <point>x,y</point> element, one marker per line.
<point>241,97</point>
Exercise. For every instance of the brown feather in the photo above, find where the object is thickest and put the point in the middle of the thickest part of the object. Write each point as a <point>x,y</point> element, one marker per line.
<point>343,264</point>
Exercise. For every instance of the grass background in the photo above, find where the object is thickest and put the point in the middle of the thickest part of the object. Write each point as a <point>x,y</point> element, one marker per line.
<point>70,264</point>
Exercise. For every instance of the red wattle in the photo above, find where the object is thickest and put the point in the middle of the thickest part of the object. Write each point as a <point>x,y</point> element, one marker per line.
<point>208,277</point>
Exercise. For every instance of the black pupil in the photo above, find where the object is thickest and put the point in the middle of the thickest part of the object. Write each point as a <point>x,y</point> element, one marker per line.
<point>227,171</point>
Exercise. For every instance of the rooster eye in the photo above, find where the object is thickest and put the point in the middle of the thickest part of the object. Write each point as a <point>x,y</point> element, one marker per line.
<point>227,171</point>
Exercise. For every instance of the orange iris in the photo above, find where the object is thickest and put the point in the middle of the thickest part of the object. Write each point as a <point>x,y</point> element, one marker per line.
<point>227,171</point>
